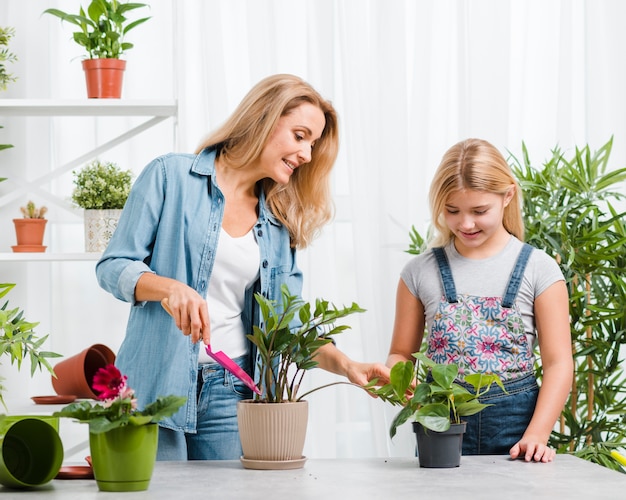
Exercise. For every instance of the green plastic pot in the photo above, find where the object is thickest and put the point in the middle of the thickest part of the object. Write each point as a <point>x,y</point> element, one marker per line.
<point>31,451</point>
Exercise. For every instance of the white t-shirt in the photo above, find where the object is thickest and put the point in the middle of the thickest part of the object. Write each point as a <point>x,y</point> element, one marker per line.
<point>235,269</point>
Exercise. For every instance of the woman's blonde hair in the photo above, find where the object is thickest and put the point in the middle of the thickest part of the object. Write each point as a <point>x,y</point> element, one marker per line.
<point>473,164</point>
<point>304,204</point>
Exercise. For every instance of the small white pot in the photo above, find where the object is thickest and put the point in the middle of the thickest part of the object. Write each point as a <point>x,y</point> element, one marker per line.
<point>99,227</point>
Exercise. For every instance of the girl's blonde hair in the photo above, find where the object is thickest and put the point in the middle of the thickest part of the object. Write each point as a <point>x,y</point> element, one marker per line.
<point>304,204</point>
<point>473,164</point>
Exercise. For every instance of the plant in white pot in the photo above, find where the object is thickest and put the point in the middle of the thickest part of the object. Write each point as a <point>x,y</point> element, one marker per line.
<point>436,401</point>
<point>101,188</point>
<point>102,31</point>
<point>272,425</point>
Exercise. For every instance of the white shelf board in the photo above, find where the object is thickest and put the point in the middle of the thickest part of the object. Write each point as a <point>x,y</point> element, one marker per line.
<point>48,256</point>
<point>88,107</point>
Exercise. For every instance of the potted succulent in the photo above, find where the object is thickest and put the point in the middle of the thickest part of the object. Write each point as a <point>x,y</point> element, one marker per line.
<point>101,188</point>
<point>102,31</point>
<point>29,230</point>
<point>18,340</point>
<point>272,425</point>
<point>433,398</point>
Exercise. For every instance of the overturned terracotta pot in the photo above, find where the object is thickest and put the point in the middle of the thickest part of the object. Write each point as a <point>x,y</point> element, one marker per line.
<point>74,375</point>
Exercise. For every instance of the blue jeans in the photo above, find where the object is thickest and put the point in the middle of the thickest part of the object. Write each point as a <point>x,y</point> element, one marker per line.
<point>497,428</point>
<point>217,435</point>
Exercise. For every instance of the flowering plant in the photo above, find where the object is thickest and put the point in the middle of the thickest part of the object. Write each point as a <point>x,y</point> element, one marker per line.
<point>101,186</point>
<point>119,406</point>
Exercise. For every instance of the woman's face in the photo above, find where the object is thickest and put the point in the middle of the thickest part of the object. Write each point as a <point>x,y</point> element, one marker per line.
<point>290,145</point>
<point>475,219</point>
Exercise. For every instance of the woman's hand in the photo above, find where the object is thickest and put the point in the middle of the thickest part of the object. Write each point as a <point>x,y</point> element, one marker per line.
<point>191,315</point>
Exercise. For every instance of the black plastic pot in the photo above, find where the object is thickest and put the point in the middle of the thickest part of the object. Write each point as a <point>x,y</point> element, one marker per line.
<point>439,449</point>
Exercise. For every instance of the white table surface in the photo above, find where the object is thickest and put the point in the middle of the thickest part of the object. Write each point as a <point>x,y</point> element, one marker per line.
<point>478,477</point>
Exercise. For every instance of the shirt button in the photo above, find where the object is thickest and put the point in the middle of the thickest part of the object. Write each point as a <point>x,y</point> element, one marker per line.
<point>265,264</point>
<point>259,232</point>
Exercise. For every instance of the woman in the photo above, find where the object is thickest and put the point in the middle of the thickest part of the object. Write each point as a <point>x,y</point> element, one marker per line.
<point>206,231</point>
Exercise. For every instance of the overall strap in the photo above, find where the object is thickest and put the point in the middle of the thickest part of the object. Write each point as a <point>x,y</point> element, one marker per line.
<point>516,276</point>
<point>446,274</point>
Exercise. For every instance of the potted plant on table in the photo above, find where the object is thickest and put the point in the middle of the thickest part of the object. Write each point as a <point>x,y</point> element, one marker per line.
<point>272,425</point>
<point>29,230</point>
<point>432,396</point>
<point>101,188</point>
<point>122,439</point>
<point>102,31</point>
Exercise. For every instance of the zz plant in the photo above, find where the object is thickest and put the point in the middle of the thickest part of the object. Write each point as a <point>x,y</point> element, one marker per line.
<point>288,339</point>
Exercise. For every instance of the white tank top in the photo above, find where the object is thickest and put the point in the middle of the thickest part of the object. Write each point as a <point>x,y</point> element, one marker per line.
<point>235,269</point>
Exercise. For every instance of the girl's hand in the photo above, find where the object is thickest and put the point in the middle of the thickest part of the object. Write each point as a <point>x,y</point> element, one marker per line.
<point>191,317</point>
<point>532,451</point>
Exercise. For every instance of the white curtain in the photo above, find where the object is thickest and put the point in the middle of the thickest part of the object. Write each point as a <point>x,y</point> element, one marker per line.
<point>409,79</point>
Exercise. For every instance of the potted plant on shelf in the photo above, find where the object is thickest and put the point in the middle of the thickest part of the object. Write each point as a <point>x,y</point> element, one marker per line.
<point>18,340</point>
<point>102,31</point>
<point>433,398</point>
<point>29,230</point>
<point>101,188</point>
<point>122,439</point>
<point>272,425</point>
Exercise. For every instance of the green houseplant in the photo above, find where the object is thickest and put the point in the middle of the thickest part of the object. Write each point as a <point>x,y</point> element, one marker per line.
<point>102,31</point>
<point>18,339</point>
<point>572,211</point>
<point>432,397</point>
<point>6,56</point>
<point>272,426</point>
<point>29,230</point>
<point>101,188</point>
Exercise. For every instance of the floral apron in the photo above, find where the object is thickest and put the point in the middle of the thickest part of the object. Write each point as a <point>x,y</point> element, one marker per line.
<point>486,335</point>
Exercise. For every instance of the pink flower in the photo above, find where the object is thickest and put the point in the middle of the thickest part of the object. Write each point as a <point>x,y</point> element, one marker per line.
<point>109,382</point>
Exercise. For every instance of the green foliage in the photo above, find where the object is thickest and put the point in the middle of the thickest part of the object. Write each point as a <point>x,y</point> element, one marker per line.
<point>429,393</point>
<point>18,339</point>
<point>288,340</point>
<point>4,146</point>
<point>30,211</point>
<point>120,412</point>
<point>6,57</point>
<point>101,185</point>
<point>571,212</point>
<point>103,28</point>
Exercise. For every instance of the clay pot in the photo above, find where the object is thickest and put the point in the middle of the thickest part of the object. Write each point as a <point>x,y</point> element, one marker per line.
<point>104,77</point>
<point>74,375</point>
<point>29,234</point>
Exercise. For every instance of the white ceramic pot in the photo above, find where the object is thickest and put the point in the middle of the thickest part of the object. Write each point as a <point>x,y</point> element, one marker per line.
<point>99,227</point>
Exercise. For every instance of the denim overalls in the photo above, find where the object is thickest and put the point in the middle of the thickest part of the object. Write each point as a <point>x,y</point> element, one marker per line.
<point>486,335</point>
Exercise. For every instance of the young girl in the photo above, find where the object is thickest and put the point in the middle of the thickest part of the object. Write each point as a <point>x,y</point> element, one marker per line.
<point>486,299</point>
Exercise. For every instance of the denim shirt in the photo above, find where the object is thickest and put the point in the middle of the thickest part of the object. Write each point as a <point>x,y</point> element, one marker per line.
<point>170,226</point>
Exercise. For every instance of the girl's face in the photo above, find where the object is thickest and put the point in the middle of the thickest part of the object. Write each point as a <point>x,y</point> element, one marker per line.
<point>290,145</point>
<point>475,219</point>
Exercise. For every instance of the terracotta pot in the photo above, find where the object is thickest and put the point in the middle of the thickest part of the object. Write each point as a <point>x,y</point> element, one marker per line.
<point>74,375</point>
<point>272,434</point>
<point>29,234</point>
<point>104,77</point>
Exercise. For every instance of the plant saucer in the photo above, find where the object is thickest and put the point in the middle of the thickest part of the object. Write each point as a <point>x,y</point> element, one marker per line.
<point>273,464</point>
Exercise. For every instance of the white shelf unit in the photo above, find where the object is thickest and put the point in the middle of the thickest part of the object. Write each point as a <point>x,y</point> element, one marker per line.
<point>155,112</point>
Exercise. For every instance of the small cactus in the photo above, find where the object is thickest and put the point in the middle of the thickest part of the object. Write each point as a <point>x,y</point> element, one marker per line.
<point>30,211</point>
